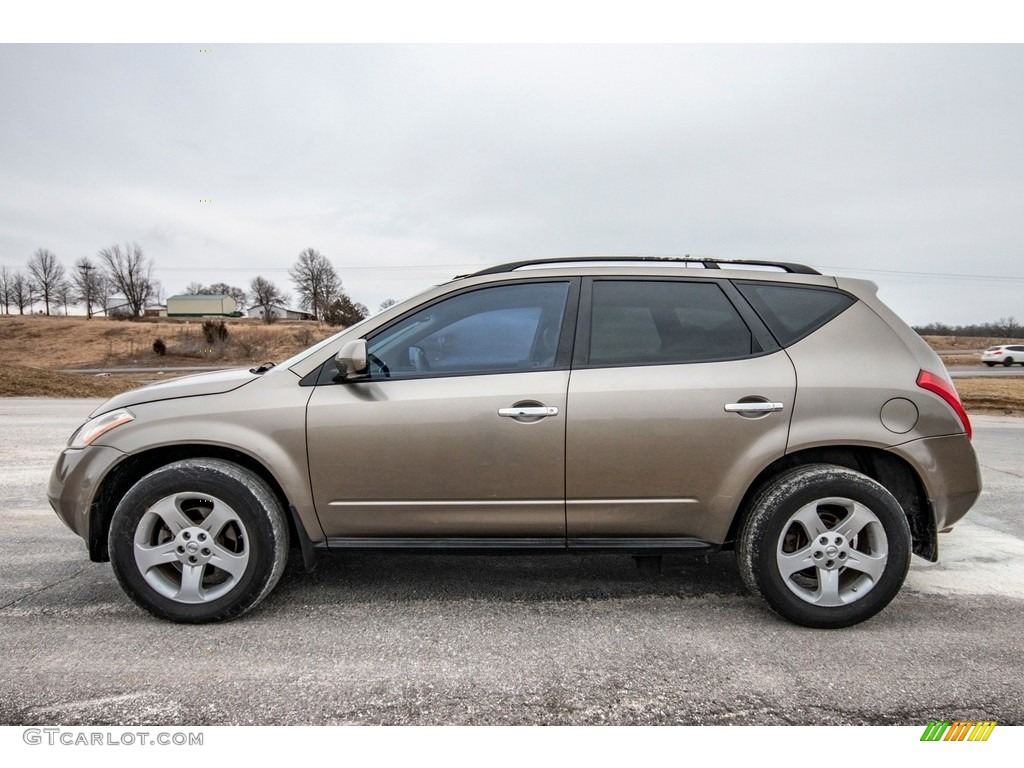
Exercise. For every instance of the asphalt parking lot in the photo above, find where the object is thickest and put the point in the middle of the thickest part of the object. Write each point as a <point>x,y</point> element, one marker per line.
<point>589,639</point>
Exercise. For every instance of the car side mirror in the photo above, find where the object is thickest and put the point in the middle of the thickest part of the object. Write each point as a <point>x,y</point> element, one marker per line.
<point>351,360</point>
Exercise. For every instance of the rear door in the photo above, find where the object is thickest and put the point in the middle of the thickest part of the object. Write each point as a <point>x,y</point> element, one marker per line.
<point>678,397</point>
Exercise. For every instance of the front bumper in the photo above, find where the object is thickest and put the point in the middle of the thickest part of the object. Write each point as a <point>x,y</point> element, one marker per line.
<point>74,482</point>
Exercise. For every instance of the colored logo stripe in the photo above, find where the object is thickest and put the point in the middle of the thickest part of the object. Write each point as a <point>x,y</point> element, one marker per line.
<point>959,730</point>
<point>934,730</point>
<point>982,731</point>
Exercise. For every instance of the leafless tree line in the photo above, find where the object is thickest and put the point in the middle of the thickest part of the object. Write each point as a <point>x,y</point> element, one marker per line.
<point>118,271</point>
<point>1004,327</point>
<point>124,272</point>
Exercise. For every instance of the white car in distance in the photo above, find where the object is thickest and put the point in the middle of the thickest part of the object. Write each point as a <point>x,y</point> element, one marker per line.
<point>1003,354</point>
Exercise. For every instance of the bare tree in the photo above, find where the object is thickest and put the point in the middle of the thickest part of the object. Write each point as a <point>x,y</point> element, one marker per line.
<point>65,294</point>
<point>194,289</point>
<point>6,278</point>
<point>265,294</point>
<point>316,282</point>
<point>106,292</point>
<point>47,274</point>
<point>87,281</point>
<point>1007,327</point>
<point>22,293</point>
<point>131,275</point>
<point>386,304</point>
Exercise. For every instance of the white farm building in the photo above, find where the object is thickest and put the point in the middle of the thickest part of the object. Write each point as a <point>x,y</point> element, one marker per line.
<point>279,313</point>
<point>201,305</point>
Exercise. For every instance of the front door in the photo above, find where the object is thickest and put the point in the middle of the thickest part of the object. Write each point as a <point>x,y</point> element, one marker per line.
<point>459,430</point>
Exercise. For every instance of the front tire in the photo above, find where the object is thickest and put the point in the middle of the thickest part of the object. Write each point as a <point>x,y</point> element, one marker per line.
<point>198,540</point>
<point>825,546</point>
<point>1008,362</point>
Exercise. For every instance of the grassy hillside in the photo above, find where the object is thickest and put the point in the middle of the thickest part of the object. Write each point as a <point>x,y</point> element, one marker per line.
<point>33,349</point>
<point>23,381</point>
<point>74,342</point>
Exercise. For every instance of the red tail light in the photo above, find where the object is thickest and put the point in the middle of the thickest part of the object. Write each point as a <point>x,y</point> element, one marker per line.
<point>942,387</point>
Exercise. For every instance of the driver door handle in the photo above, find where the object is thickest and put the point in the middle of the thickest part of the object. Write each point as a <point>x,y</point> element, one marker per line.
<point>535,411</point>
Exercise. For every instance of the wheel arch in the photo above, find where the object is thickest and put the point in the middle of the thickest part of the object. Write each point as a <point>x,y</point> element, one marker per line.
<point>133,468</point>
<point>889,470</point>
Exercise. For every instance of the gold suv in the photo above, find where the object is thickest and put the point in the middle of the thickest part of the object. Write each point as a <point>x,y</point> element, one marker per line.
<point>643,406</point>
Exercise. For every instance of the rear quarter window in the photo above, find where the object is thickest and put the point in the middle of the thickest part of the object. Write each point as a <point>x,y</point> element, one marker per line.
<point>794,311</point>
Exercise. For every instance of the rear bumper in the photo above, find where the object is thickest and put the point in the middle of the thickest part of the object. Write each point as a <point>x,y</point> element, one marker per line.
<point>948,467</point>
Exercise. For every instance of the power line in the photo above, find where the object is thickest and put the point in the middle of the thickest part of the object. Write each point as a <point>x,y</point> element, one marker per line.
<point>939,275</point>
<point>408,267</point>
<point>464,266</point>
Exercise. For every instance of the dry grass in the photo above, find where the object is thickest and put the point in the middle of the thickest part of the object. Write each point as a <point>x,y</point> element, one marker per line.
<point>23,381</point>
<point>74,342</point>
<point>972,343</point>
<point>960,361</point>
<point>992,394</point>
<point>32,348</point>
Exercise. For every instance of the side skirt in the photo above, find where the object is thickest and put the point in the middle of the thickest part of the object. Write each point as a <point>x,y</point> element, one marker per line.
<point>499,545</point>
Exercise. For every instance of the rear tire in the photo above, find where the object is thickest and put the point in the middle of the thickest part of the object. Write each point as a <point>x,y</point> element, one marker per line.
<point>198,540</point>
<point>825,546</point>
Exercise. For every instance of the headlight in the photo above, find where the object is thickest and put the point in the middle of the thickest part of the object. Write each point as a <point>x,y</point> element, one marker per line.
<point>93,428</point>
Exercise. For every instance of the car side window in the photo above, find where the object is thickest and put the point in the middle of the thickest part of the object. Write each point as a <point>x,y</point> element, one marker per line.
<point>643,322</point>
<point>495,329</point>
<point>794,311</point>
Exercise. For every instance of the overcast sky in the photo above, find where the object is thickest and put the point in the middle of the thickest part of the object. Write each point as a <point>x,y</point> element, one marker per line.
<point>406,165</point>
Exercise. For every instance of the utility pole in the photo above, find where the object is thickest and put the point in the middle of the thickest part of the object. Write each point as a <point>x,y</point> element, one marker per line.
<point>87,284</point>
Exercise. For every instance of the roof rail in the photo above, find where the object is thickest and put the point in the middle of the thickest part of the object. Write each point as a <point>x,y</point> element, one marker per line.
<point>707,263</point>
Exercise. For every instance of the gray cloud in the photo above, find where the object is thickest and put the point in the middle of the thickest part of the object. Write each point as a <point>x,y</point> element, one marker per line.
<point>404,164</point>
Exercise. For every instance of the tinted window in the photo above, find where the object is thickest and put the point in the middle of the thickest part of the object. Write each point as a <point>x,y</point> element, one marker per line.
<point>793,311</point>
<point>635,322</point>
<point>491,330</point>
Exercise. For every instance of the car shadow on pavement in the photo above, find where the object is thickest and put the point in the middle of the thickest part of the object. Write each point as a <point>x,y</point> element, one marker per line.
<point>372,576</point>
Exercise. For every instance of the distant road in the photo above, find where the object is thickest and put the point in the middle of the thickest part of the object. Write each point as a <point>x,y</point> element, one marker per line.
<point>164,369</point>
<point>999,372</point>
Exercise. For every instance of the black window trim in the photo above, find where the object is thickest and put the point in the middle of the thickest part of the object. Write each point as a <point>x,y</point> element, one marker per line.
<point>757,328</point>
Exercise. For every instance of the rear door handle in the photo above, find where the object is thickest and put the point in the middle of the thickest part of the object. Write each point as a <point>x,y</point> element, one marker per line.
<point>753,407</point>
